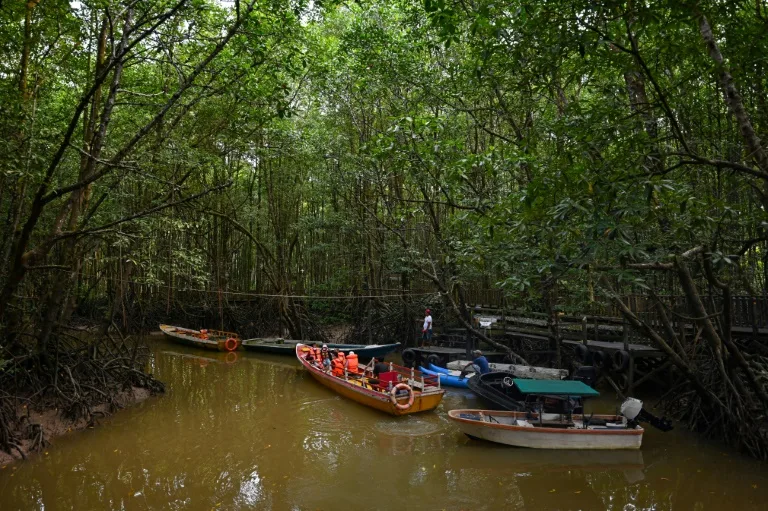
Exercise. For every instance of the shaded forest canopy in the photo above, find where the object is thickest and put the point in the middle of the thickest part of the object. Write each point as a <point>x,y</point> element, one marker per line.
<point>157,156</point>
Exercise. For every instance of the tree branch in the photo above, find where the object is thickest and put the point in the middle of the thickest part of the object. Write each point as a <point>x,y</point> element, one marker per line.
<point>144,213</point>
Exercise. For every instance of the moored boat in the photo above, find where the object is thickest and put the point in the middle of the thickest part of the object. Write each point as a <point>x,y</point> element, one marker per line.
<point>288,347</point>
<point>519,371</point>
<point>399,391</point>
<point>443,370</point>
<point>526,429</point>
<point>540,424</point>
<point>446,378</point>
<point>498,389</point>
<point>215,340</point>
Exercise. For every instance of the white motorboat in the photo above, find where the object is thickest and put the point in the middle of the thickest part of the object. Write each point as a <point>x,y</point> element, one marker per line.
<point>539,430</point>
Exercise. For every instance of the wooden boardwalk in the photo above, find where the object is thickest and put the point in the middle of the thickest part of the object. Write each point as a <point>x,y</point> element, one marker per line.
<point>641,350</point>
<point>746,311</point>
<point>623,356</point>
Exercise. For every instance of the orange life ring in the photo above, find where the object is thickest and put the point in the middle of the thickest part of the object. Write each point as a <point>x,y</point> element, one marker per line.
<point>393,394</point>
<point>230,344</point>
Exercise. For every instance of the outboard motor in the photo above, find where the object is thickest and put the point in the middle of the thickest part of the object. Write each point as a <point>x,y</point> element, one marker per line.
<point>633,410</point>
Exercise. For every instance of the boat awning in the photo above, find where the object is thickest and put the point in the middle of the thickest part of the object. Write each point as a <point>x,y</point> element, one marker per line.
<point>555,388</point>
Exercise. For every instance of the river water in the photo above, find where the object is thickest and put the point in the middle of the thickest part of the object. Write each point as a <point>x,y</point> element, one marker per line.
<point>260,433</point>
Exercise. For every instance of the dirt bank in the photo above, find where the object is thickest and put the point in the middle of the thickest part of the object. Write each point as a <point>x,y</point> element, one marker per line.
<point>54,425</point>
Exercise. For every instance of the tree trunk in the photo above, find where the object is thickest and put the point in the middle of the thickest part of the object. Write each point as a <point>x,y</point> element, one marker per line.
<point>732,98</point>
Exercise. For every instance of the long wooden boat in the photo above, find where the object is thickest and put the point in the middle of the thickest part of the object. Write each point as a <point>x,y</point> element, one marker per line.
<point>215,340</point>
<point>519,371</point>
<point>525,429</point>
<point>288,347</point>
<point>400,391</point>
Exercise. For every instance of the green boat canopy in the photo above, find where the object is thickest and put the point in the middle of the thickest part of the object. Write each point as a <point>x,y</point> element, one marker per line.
<point>556,388</point>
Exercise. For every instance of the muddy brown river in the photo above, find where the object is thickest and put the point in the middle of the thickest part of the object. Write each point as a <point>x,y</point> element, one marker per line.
<point>259,433</point>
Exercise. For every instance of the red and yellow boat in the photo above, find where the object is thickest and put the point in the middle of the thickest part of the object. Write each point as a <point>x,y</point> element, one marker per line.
<point>399,391</point>
<point>216,340</point>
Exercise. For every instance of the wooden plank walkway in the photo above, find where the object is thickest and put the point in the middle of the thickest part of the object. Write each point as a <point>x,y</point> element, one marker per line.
<point>603,336</point>
<point>640,350</point>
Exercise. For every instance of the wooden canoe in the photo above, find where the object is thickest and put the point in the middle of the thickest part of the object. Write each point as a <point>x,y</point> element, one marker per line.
<point>215,340</point>
<point>523,429</point>
<point>362,389</point>
<point>288,347</point>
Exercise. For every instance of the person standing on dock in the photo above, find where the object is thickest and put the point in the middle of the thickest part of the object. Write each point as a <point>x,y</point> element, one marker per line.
<point>426,329</point>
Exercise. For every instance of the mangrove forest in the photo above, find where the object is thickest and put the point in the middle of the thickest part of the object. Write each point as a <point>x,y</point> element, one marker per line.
<point>326,170</point>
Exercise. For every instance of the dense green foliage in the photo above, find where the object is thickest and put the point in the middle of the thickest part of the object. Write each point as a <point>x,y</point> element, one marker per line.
<point>376,144</point>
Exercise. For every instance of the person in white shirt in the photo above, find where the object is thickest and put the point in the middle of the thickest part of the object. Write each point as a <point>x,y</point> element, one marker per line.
<point>426,329</point>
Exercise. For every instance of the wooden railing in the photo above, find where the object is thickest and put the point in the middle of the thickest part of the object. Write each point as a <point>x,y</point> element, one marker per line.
<point>408,373</point>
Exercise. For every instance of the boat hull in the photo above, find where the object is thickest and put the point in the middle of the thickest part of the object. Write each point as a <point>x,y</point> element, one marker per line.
<point>377,400</point>
<point>447,380</point>
<point>422,402</point>
<point>545,437</point>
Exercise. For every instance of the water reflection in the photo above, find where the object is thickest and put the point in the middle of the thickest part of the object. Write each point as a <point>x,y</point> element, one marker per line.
<point>251,490</point>
<point>251,432</point>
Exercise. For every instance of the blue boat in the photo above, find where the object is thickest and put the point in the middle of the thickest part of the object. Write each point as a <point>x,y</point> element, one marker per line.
<point>443,370</point>
<point>447,380</point>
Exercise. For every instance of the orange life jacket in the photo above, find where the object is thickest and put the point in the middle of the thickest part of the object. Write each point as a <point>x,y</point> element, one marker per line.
<point>352,363</point>
<point>338,367</point>
<point>343,358</point>
<point>318,355</point>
